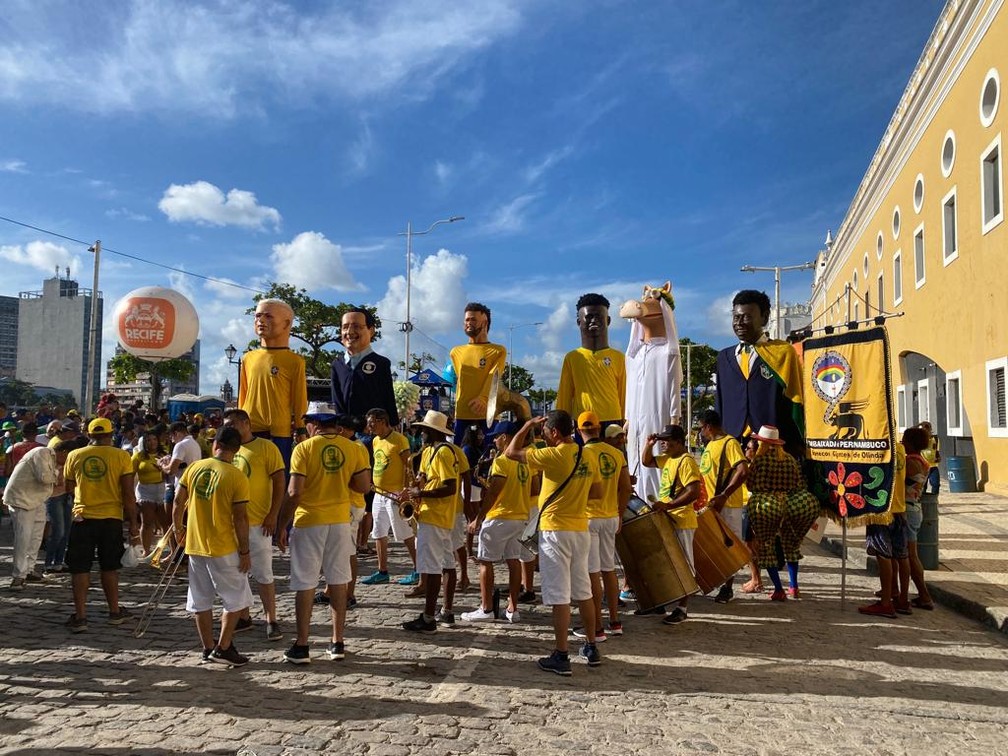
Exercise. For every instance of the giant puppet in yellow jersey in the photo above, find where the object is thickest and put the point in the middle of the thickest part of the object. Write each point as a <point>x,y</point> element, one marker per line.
<point>473,365</point>
<point>759,379</point>
<point>593,377</point>
<point>271,380</point>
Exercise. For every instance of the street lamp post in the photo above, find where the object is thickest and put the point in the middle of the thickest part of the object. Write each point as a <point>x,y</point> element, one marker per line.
<point>510,354</point>
<point>407,326</point>
<point>230,352</point>
<point>777,269</point>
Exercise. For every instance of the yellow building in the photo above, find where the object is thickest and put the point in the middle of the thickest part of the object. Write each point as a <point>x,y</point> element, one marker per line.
<point>925,237</point>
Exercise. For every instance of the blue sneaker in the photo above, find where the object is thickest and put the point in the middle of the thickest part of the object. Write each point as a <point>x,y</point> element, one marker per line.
<point>626,595</point>
<point>590,652</point>
<point>558,663</point>
<point>376,578</point>
<point>412,579</point>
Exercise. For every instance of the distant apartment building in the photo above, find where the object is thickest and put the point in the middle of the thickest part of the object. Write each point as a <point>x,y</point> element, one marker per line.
<point>53,328</point>
<point>8,336</point>
<point>792,317</point>
<point>140,388</point>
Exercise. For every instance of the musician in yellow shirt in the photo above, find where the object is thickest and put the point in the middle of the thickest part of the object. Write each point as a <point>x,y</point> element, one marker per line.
<point>211,519</point>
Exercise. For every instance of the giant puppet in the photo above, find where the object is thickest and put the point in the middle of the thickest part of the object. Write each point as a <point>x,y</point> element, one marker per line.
<point>361,378</point>
<point>653,377</point>
<point>593,376</point>
<point>271,379</point>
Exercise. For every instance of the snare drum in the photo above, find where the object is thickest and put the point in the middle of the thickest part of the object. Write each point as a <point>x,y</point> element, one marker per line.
<point>718,551</point>
<point>653,561</point>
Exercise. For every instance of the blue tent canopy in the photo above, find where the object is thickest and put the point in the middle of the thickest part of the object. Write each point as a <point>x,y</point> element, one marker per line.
<point>428,377</point>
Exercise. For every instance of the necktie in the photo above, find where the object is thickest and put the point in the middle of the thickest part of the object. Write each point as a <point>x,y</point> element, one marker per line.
<point>744,358</point>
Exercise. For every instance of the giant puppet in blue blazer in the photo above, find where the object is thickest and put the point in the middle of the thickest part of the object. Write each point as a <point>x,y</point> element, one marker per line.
<point>362,378</point>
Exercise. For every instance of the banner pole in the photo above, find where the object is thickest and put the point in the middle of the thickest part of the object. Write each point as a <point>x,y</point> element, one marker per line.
<point>843,562</point>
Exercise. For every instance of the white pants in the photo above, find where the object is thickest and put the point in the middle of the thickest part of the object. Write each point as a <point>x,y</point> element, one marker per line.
<point>217,576</point>
<point>563,566</point>
<point>29,525</point>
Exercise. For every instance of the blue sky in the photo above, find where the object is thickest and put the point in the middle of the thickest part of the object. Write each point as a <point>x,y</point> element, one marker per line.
<point>591,146</point>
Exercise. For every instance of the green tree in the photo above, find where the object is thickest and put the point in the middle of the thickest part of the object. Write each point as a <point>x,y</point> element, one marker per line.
<point>14,392</point>
<point>127,368</point>
<point>518,379</point>
<point>541,399</point>
<point>702,363</point>
<point>316,324</point>
<point>418,362</point>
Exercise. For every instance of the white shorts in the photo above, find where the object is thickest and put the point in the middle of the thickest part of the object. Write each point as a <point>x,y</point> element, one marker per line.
<point>153,492</point>
<point>261,553</point>
<point>356,516</point>
<point>435,552</point>
<point>685,537</point>
<point>733,516</point>
<point>321,549</point>
<point>459,532</point>
<point>385,512</point>
<point>563,566</point>
<point>217,576</point>
<point>602,553</point>
<point>498,540</point>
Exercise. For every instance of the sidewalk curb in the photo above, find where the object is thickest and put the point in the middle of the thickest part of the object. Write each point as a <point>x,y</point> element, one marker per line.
<point>996,619</point>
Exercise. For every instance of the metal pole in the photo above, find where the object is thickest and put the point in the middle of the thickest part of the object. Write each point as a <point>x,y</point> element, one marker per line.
<point>510,354</point>
<point>689,390</point>
<point>777,301</point>
<point>408,326</point>
<point>93,338</point>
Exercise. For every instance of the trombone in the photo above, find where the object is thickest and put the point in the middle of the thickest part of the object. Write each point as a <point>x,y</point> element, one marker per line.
<point>168,575</point>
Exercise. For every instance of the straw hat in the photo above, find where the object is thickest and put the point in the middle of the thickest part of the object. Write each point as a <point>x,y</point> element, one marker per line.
<point>770,435</point>
<point>436,421</point>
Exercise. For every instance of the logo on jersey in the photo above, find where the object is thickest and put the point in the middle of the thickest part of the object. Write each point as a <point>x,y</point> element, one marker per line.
<point>705,462</point>
<point>94,468</point>
<point>607,465</point>
<point>482,362</point>
<point>765,371</point>
<point>274,371</point>
<point>607,361</point>
<point>523,473</point>
<point>381,461</point>
<point>368,367</point>
<point>332,458</point>
<point>206,483</point>
<point>242,464</point>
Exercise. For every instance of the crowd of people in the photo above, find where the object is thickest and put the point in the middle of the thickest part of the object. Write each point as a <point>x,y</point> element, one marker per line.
<point>322,481</point>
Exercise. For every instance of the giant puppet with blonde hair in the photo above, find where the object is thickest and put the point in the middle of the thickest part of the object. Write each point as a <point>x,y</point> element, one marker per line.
<point>271,379</point>
<point>653,376</point>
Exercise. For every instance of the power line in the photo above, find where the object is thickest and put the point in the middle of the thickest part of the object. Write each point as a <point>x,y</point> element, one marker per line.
<point>183,271</point>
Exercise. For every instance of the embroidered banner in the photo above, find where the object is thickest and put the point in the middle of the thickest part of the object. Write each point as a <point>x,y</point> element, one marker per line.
<point>848,421</point>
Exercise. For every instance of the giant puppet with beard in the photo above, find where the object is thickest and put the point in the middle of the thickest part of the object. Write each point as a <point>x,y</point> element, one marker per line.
<point>653,377</point>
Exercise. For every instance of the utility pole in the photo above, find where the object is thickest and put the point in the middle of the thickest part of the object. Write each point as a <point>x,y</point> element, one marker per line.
<point>94,335</point>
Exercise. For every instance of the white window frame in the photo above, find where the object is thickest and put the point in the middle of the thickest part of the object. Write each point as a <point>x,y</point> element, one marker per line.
<point>864,267</point>
<point>920,276</point>
<point>952,195</point>
<point>901,409</point>
<point>923,407</point>
<point>954,430</point>
<point>918,203</point>
<point>992,74</point>
<point>897,222</point>
<point>987,226</point>
<point>879,245</point>
<point>949,135</point>
<point>880,289</point>
<point>990,365</point>
<point>897,263</point>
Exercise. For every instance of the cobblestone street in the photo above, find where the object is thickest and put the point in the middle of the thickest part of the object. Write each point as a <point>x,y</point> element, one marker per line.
<point>749,677</point>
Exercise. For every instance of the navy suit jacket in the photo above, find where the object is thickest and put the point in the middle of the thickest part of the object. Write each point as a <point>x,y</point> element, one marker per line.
<point>367,386</point>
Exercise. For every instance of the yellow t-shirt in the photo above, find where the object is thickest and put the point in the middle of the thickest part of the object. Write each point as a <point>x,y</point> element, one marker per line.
<point>898,502</point>
<point>146,468</point>
<point>356,497</point>
<point>214,488</point>
<point>474,364</point>
<point>515,500</point>
<point>327,463</point>
<point>463,467</point>
<point>593,381</point>
<point>439,464</point>
<point>718,460</point>
<point>676,474</point>
<point>96,471</point>
<point>273,390</point>
<point>568,510</point>
<point>389,471</point>
<point>259,459</point>
<point>609,461</point>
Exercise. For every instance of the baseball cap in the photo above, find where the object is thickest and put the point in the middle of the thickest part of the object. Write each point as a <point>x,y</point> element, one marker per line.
<point>588,419</point>
<point>70,425</point>
<point>99,426</point>
<point>504,427</point>
<point>614,431</point>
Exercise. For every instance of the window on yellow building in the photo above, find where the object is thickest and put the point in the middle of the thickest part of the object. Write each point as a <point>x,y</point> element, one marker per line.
<point>990,95</point>
<point>953,399</point>
<point>896,223</point>
<point>897,274</point>
<point>997,416</point>
<point>918,194</point>
<point>990,185</point>
<point>948,153</point>
<point>881,292</point>
<point>919,277</point>
<point>950,240</point>
<point>878,246</point>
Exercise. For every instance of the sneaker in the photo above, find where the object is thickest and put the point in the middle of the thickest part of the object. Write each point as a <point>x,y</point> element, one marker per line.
<point>351,602</point>
<point>273,632</point>
<point>228,656</point>
<point>724,595</point>
<point>621,604</point>
<point>600,636</point>
<point>614,628</point>
<point>206,655</point>
<point>778,595</point>
<point>244,624</point>
<point>336,651</point>
<point>794,593</point>
<point>17,584</point>
<point>558,663</point>
<point>75,625</point>
<point>590,652</point>
<point>526,597</point>
<point>626,595</point>
<point>420,625</point>
<point>376,578</point>
<point>119,617</point>
<point>417,592</point>
<point>477,615</point>
<point>33,577</point>
<point>412,579</point>
<point>512,617</point>
<point>321,599</point>
<point>445,618</point>
<point>878,609</point>
<point>297,654</point>
<point>674,617</point>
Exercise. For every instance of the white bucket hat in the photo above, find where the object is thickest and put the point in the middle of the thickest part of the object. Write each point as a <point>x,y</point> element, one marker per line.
<point>770,435</point>
<point>437,421</point>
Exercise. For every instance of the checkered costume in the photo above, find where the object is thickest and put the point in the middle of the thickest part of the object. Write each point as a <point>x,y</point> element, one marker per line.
<point>772,475</point>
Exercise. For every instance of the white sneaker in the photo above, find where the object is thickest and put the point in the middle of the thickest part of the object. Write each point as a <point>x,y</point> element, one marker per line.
<point>477,615</point>
<point>512,617</point>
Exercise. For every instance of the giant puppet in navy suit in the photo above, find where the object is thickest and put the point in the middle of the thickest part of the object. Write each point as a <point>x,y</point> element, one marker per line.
<point>771,394</point>
<point>364,381</point>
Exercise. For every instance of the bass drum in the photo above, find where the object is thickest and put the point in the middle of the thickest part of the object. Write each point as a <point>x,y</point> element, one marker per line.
<point>718,552</point>
<point>635,508</point>
<point>653,561</point>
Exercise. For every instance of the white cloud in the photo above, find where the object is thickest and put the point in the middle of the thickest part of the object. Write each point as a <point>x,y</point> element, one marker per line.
<point>203,203</point>
<point>126,213</point>
<point>545,367</point>
<point>510,217</point>
<point>359,153</point>
<point>718,317</point>
<point>13,166</point>
<point>443,171</point>
<point>313,262</point>
<point>221,288</point>
<point>41,255</point>
<point>536,171</point>
<point>214,58</point>
<point>557,326</point>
